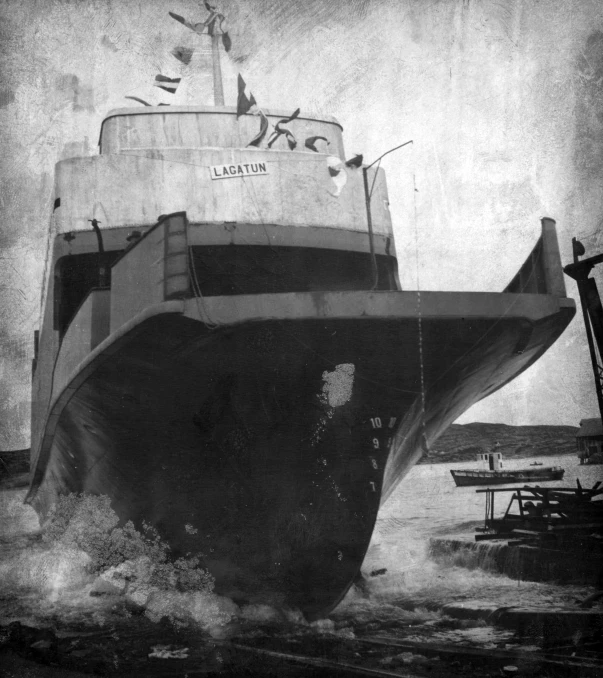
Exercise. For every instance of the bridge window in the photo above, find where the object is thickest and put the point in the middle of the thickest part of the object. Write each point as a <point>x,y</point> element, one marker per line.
<point>75,275</point>
<point>251,269</point>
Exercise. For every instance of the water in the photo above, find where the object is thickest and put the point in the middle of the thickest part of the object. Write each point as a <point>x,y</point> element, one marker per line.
<point>42,590</point>
<point>428,504</point>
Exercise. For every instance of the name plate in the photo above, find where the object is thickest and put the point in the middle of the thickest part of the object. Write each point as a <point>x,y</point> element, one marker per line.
<point>239,170</point>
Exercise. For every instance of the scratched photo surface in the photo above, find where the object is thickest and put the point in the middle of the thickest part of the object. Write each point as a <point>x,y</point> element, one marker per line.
<point>501,100</point>
<point>495,112</point>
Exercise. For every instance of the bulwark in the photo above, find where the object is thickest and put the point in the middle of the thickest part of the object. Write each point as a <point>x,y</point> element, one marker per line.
<point>239,170</point>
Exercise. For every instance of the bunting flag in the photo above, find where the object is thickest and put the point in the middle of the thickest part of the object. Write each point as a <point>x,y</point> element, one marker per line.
<point>245,102</point>
<point>183,54</point>
<point>311,143</point>
<point>356,161</point>
<point>264,124</point>
<point>140,101</point>
<point>279,130</point>
<point>226,41</point>
<point>337,172</point>
<point>214,25</point>
<point>168,84</point>
<point>198,28</point>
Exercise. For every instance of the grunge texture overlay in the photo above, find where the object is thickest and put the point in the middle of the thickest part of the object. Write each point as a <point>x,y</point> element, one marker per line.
<point>504,102</point>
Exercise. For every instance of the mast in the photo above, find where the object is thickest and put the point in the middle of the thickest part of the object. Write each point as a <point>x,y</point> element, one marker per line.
<point>214,24</point>
<point>217,70</point>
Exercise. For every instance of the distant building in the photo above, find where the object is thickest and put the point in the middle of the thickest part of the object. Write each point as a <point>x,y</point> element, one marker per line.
<point>589,440</point>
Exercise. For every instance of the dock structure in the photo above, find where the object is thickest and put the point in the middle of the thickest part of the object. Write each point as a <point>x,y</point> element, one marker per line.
<point>589,441</point>
<point>544,509</point>
<point>558,532</point>
<point>552,534</point>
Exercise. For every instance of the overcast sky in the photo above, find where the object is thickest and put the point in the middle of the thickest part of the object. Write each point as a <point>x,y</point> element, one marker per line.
<point>504,102</point>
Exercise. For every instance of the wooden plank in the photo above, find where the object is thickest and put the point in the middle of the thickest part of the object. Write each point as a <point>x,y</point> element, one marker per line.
<point>576,526</point>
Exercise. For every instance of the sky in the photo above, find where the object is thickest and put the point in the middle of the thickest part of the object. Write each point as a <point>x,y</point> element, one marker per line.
<point>503,102</point>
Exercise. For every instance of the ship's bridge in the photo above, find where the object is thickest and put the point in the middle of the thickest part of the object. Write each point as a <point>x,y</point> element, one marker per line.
<point>167,131</point>
<point>161,160</point>
<point>255,220</point>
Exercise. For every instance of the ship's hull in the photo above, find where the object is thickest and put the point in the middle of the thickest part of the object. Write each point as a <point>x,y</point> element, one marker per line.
<point>268,445</point>
<point>464,478</point>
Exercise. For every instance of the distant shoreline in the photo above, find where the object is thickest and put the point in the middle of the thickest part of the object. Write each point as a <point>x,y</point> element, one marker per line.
<point>463,442</point>
<point>453,459</point>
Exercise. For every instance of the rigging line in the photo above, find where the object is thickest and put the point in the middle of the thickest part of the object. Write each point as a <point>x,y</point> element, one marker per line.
<point>419,315</point>
<point>374,178</point>
<point>391,150</point>
<point>193,278</point>
<point>255,201</point>
<point>209,323</point>
<point>199,299</point>
<point>375,268</point>
<point>275,250</point>
<point>256,204</point>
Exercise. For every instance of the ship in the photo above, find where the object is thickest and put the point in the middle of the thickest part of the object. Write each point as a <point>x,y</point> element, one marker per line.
<point>492,472</point>
<point>226,352</point>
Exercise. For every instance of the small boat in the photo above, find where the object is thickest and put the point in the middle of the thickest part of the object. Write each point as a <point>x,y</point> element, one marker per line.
<point>536,463</point>
<point>493,474</point>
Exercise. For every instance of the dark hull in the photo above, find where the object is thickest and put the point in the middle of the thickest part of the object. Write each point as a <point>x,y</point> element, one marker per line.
<point>226,440</point>
<point>466,478</point>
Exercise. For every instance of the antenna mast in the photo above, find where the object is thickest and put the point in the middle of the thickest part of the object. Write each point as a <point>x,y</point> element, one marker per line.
<point>214,24</point>
<point>215,56</point>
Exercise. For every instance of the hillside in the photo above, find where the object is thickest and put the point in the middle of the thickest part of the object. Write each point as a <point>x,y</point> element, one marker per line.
<point>463,442</point>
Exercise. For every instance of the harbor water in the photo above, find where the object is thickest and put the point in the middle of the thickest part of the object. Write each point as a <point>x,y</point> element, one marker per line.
<point>427,505</point>
<point>402,587</point>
